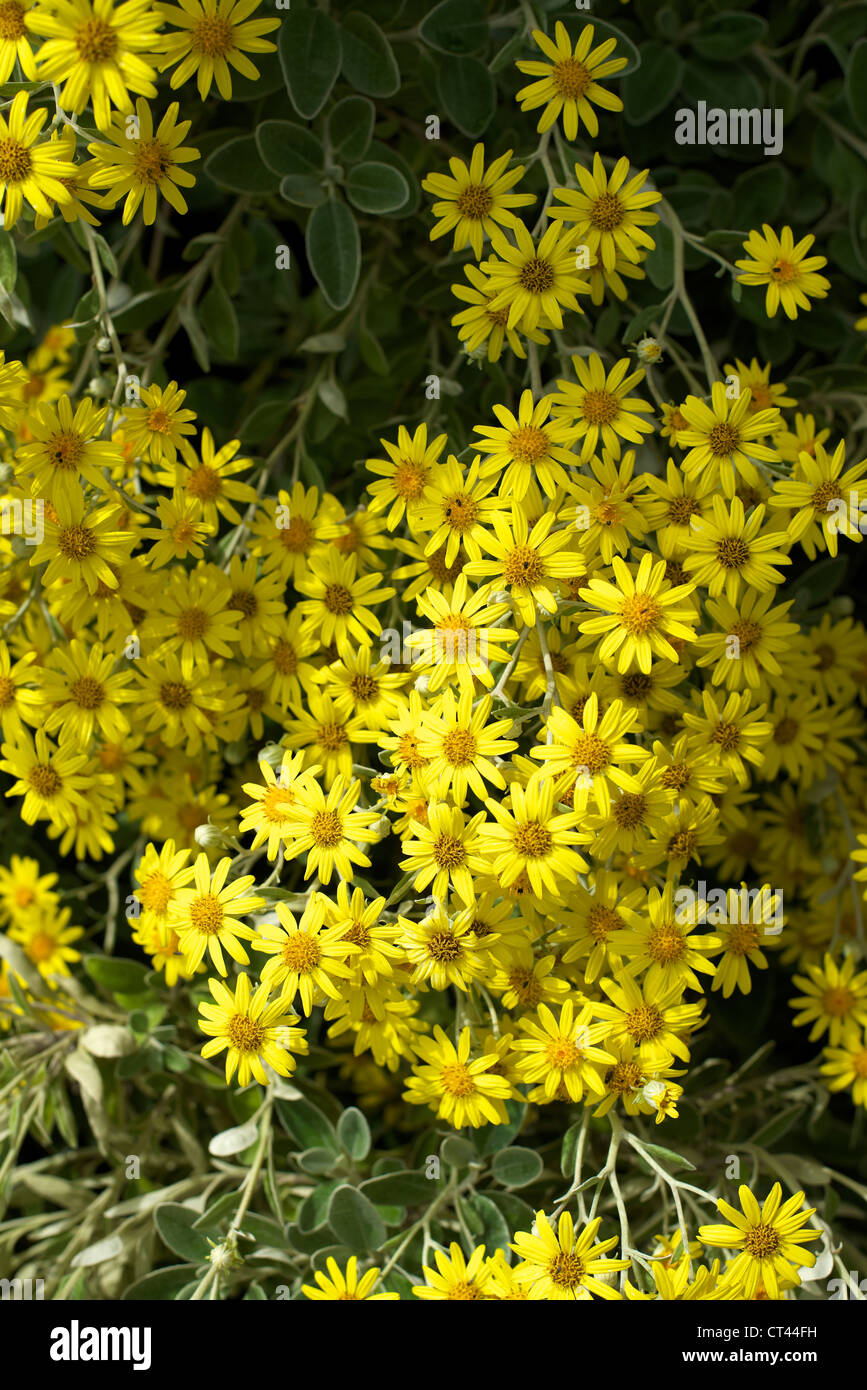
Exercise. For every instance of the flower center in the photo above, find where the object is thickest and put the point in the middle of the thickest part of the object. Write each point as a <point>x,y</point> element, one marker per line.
<point>7,691</point>
<point>459,747</point>
<point>607,212</point>
<point>213,36</point>
<point>676,776</point>
<point>475,202</point>
<point>562,1054</point>
<point>75,542</point>
<point>784,271</point>
<point>245,1034</point>
<point>666,943</point>
<point>11,21</point>
<point>64,450</point>
<point>680,509</point>
<point>410,479</point>
<point>644,1023</point>
<point>457,1079</point>
<point>150,161</point>
<point>742,939</point>
<point>566,1270</point>
<point>326,829</point>
<point>155,893</point>
<point>460,512</point>
<point>297,536</point>
<point>44,780</point>
<point>837,1002</point>
<point>87,693</point>
<point>601,921</point>
<point>244,601</point>
<point>523,568</point>
<point>571,78</point>
<point>639,613</point>
<point>41,947</point>
<point>532,841</point>
<point>762,1241</point>
<point>443,946</point>
<point>537,276</point>
<point>364,688</point>
<point>723,440</point>
<point>527,987</point>
<point>192,623</point>
<point>206,914</point>
<point>284,658</point>
<point>600,407</point>
<point>732,553</point>
<point>786,731</point>
<point>591,752</point>
<point>332,737</point>
<point>173,695</point>
<point>682,845</point>
<point>629,810</point>
<point>826,492</point>
<point>529,444</point>
<point>747,633</point>
<point>337,599</point>
<point>624,1077</point>
<point>96,41</point>
<point>449,852</point>
<point>728,736</point>
<point>301,952</point>
<point>407,751</point>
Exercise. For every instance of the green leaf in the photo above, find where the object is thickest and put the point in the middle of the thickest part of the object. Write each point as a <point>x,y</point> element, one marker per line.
<point>648,90</point>
<point>350,128</point>
<point>373,357</point>
<point>220,322</point>
<point>306,1125</point>
<point>334,251</point>
<point>467,93</point>
<point>639,324</point>
<point>118,976</point>
<point>175,1225</point>
<point>406,1189</point>
<point>368,62</point>
<point>373,187</point>
<point>353,1132</point>
<point>317,1160</point>
<point>107,1040</point>
<point>355,1220</point>
<point>457,1151</point>
<point>518,1213</point>
<point>145,309</point>
<point>263,422</point>
<point>760,193</point>
<point>195,333</point>
<point>239,167</point>
<point>778,1126</point>
<point>516,1167</point>
<point>659,263</point>
<point>302,190</point>
<point>234,1140</point>
<point>289,148</point>
<point>333,398</point>
<point>666,1156</point>
<point>160,1286</point>
<point>8,262</point>
<point>729,35</point>
<point>309,47</point>
<point>856,84</point>
<point>456,26</point>
<point>494,1137</point>
<point>491,1228</point>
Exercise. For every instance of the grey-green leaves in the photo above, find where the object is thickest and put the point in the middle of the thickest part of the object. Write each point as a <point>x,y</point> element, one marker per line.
<point>310,57</point>
<point>334,251</point>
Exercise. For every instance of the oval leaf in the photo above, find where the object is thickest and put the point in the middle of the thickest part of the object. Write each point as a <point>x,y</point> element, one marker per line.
<point>309,47</point>
<point>373,187</point>
<point>516,1167</point>
<point>334,251</point>
<point>468,95</point>
<point>368,62</point>
<point>233,1141</point>
<point>350,128</point>
<point>355,1221</point>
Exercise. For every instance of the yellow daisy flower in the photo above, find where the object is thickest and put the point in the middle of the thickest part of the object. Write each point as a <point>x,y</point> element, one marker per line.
<point>461,1091</point>
<point>206,916</point>
<point>341,1287</point>
<point>211,38</point>
<point>531,281</point>
<point>252,1030</point>
<point>608,213</point>
<point>785,268</point>
<point>475,199</point>
<point>143,163</point>
<point>568,83</point>
<point>768,1239</point>
<point>99,51</point>
<point>564,1265</point>
<point>834,1000</point>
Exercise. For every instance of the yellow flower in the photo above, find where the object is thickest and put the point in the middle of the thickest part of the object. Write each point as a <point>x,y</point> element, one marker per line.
<point>252,1030</point>
<point>139,162</point>
<point>326,735</point>
<point>207,479</point>
<point>15,40</point>
<point>24,891</point>
<point>463,642</point>
<point>534,281</point>
<point>206,916</point>
<point>405,473</point>
<point>273,803</point>
<point>195,617</point>
<point>305,957</point>
<point>743,650</point>
<point>847,1066</point>
<point>527,447</point>
<point>768,1239</point>
<point>526,560</point>
<point>731,549</point>
<point>345,1288</point>
<point>563,1052</point>
<point>455,509</point>
<point>722,437</point>
<point>643,614</point>
<point>530,838</point>
<point>568,84</point>
<point>46,941</point>
<point>445,852</point>
<point>30,172</point>
<point>159,877</point>
<point>443,950</point>
<point>328,828</point>
<point>599,407</point>
<point>50,779</point>
<point>565,1265</point>
<point>823,499</point>
<point>338,603</point>
<point>83,690</point>
<point>461,1091</point>
<point>458,744</point>
<point>483,330</point>
<point>591,752</point>
<point>66,449</point>
<point>650,1017</point>
<point>475,199</point>
<point>786,269</point>
<point>180,532</point>
<point>211,39</point>
<point>609,214</point>
<point>98,51</point>
<point>457,1279</point>
<point>83,546</point>
<point>834,1000</point>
